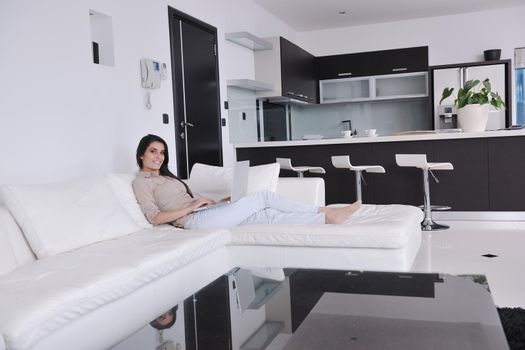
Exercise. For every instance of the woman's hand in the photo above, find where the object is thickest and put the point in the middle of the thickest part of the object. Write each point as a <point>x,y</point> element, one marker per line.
<point>170,216</point>
<point>199,202</point>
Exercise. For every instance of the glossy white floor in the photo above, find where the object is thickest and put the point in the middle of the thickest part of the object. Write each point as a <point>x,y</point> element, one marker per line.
<point>460,250</point>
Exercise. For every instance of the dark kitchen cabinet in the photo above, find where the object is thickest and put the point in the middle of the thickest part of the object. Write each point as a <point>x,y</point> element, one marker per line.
<point>506,173</point>
<point>289,69</point>
<point>297,72</point>
<point>345,66</point>
<point>412,59</point>
<point>406,60</point>
<point>307,286</point>
<point>488,172</point>
<point>466,188</point>
<point>399,185</point>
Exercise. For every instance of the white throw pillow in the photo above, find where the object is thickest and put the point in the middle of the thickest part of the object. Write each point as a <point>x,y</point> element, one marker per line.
<point>14,250</point>
<point>263,178</point>
<point>215,182</point>
<point>64,216</point>
<point>210,181</point>
<point>121,185</point>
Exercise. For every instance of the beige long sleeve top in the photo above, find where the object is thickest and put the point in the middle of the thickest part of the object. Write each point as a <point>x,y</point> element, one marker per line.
<point>156,193</point>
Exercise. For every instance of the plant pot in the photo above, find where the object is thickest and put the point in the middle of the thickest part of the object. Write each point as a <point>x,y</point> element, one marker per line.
<point>473,118</point>
<point>492,55</point>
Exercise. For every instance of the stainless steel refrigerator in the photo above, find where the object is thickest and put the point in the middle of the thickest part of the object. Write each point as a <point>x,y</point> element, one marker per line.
<point>455,76</point>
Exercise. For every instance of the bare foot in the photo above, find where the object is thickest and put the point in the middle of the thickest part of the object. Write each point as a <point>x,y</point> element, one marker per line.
<point>341,214</point>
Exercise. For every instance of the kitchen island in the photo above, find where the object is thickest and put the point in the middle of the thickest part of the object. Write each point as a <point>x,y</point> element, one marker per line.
<point>488,175</point>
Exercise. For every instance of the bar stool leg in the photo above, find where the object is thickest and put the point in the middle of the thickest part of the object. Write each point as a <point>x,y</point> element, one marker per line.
<point>428,224</point>
<point>358,185</point>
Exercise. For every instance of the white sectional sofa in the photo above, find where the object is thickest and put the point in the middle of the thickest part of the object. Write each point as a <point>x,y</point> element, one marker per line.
<point>80,267</point>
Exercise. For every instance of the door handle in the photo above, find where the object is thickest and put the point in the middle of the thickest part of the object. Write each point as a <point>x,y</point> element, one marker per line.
<point>184,124</point>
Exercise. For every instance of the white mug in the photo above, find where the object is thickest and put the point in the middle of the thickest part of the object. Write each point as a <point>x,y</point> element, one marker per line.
<point>370,132</point>
<point>347,133</point>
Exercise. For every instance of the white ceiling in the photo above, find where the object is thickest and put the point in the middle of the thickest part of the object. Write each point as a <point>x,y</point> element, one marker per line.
<point>306,15</point>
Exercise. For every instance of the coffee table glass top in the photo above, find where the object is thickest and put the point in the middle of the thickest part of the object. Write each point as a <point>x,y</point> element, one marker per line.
<point>327,309</point>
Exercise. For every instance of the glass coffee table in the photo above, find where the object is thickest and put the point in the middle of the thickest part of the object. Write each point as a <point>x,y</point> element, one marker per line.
<point>312,309</point>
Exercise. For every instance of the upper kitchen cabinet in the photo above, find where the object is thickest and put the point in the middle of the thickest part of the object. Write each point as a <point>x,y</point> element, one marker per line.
<point>406,60</point>
<point>290,69</point>
<point>412,59</point>
<point>345,66</point>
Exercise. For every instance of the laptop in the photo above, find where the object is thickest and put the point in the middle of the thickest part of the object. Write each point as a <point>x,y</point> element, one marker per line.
<point>241,171</point>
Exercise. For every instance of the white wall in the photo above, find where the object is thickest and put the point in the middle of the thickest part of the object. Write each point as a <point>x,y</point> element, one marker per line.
<point>62,116</point>
<point>451,39</point>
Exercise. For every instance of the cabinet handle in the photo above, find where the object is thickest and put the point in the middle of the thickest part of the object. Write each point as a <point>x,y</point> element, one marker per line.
<point>399,69</point>
<point>344,74</point>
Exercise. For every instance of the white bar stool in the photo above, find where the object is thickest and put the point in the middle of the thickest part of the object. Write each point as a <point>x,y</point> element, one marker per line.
<point>286,163</point>
<point>343,162</point>
<point>420,161</point>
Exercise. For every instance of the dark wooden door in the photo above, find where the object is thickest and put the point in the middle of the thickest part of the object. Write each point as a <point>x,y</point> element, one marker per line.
<point>196,92</point>
<point>207,321</point>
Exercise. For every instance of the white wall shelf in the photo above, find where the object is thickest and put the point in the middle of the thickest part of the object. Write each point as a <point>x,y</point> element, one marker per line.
<point>249,84</point>
<point>248,40</point>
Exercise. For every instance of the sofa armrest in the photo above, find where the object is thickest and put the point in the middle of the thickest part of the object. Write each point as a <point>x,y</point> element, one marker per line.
<point>306,189</point>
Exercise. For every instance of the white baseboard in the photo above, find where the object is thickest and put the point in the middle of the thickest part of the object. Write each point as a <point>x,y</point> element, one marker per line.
<point>479,215</point>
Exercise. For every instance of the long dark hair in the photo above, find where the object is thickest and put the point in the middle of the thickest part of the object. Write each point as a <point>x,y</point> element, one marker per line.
<point>155,324</point>
<point>164,171</point>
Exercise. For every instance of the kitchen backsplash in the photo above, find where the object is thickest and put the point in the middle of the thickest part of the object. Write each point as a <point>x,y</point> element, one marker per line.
<point>388,117</point>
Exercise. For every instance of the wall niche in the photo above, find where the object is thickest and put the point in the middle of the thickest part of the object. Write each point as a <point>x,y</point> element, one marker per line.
<point>101,38</point>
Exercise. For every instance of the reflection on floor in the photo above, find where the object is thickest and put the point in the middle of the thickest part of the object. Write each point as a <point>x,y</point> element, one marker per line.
<point>461,250</point>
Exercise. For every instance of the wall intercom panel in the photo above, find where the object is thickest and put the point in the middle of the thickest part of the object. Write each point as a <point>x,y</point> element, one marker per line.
<point>150,71</point>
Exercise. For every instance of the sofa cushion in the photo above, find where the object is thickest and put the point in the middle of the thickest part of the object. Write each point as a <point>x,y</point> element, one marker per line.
<point>64,216</point>
<point>263,178</point>
<point>215,182</point>
<point>209,181</point>
<point>372,226</point>
<point>121,185</point>
<point>306,189</point>
<point>14,250</point>
<point>41,298</point>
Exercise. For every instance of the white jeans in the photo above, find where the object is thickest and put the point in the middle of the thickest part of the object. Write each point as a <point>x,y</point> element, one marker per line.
<point>259,208</point>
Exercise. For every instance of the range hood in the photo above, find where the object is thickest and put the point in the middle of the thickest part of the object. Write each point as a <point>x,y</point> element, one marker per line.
<point>271,70</point>
<point>282,100</point>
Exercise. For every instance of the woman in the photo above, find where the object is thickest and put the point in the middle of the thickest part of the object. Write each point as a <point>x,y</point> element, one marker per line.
<point>164,198</point>
<point>166,320</point>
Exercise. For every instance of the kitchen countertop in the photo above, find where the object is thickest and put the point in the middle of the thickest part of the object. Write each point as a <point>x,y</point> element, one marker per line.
<point>414,136</point>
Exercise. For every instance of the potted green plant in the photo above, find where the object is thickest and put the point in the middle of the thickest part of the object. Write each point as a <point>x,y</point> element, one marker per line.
<point>472,102</point>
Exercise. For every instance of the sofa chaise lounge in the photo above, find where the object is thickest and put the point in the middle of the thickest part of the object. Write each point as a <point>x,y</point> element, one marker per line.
<point>81,268</point>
